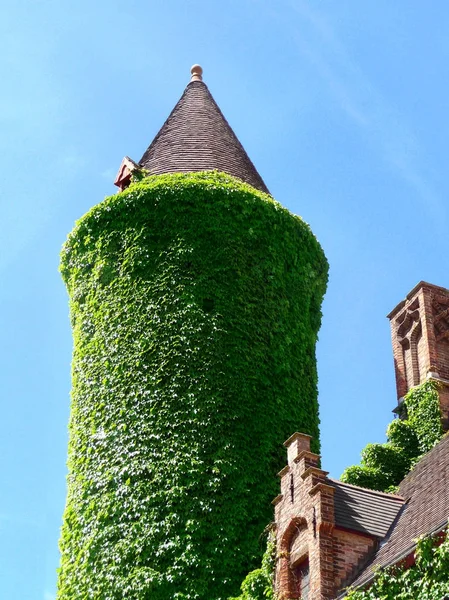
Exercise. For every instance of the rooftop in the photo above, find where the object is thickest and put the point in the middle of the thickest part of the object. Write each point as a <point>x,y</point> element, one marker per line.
<point>364,510</point>
<point>426,493</point>
<point>197,137</point>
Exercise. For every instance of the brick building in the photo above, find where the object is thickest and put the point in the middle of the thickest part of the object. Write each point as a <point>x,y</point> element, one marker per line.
<point>331,535</point>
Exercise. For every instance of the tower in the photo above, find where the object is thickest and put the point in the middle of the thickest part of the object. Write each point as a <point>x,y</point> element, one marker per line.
<point>420,338</point>
<point>195,305</point>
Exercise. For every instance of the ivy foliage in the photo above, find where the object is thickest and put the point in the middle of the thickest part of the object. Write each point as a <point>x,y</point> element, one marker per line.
<point>195,304</point>
<point>426,579</point>
<point>383,466</point>
<point>258,585</point>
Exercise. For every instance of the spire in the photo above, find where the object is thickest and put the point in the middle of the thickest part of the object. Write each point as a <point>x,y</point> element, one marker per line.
<point>197,137</point>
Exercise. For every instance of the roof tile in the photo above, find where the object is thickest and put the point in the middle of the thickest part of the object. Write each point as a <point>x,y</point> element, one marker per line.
<point>367,511</point>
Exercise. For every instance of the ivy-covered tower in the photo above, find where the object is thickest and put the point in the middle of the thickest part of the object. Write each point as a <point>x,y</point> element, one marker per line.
<point>195,305</point>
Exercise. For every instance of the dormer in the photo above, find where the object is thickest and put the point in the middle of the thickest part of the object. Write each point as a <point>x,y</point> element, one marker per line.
<point>123,178</point>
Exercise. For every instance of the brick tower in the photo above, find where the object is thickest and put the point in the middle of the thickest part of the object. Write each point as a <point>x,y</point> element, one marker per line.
<point>195,305</point>
<point>420,338</point>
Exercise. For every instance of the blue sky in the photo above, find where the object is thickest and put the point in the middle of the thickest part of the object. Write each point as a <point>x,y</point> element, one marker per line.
<point>342,107</point>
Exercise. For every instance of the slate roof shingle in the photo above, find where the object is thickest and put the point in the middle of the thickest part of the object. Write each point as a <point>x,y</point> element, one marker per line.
<point>364,510</point>
<point>197,137</point>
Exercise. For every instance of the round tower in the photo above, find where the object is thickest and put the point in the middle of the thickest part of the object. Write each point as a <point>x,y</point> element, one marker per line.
<point>195,305</point>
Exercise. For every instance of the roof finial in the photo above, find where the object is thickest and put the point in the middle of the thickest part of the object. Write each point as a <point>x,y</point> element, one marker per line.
<point>197,73</point>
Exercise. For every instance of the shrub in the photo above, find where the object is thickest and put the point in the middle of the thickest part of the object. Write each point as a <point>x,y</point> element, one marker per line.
<point>385,465</point>
<point>258,585</point>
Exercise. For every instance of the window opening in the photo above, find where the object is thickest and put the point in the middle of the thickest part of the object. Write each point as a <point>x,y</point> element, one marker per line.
<point>302,575</point>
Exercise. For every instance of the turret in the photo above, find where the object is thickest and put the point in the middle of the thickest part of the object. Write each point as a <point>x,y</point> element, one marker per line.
<point>195,306</point>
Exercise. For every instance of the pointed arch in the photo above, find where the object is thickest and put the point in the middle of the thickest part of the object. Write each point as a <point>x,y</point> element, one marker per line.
<point>296,525</point>
<point>288,573</point>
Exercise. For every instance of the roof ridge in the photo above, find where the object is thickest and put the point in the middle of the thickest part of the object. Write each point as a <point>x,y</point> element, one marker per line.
<point>359,487</point>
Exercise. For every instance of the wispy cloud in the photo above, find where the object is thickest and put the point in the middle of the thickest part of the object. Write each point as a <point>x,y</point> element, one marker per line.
<point>49,596</point>
<point>360,100</point>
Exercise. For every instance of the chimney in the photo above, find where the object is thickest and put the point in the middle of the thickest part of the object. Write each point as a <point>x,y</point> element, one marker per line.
<point>297,443</point>
<point>420,338</point>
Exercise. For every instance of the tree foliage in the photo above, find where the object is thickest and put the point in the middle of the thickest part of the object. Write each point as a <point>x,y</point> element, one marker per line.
<point>383,466</point>
<point>258,584</point>
<point>195,305</point>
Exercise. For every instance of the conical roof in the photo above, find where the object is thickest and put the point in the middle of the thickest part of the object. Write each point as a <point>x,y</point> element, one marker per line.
<point>197,137</point>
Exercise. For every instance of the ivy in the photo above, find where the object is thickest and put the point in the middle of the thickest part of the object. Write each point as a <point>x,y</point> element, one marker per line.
<point>383,466</point>
<point>258,585</point>
<point>195,304</point>
<point>426,579</point>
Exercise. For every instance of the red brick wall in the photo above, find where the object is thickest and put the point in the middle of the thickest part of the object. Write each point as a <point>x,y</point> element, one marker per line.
<point>350,551</point>
<point>443,359</point>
